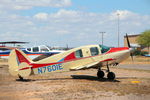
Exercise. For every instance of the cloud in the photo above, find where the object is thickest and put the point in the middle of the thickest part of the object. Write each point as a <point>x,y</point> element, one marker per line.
<point>71,27</point>
<point>41,16</point>
<point>65,13</point>
<point>28,4</point>
<point>62,32</point>
<point>11,36</point>
<point>123,14</point>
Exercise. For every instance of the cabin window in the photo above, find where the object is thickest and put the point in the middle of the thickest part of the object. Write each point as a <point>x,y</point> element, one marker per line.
<point>78,53</point>
<point>94,51</point>
<point>29,49</point>
<point>35,49</point>
<point>104,49</point>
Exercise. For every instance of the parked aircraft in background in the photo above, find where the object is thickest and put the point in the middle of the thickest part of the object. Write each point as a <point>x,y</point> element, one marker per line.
<point>34,52</point>
<point>84,57</point>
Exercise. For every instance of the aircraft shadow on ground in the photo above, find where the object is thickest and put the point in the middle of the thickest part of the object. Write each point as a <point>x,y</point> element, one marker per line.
<point>80,77</point>
<point>92,78</point>
<point>25,80</point>
<point>30,80</point>
<point>127,78</point>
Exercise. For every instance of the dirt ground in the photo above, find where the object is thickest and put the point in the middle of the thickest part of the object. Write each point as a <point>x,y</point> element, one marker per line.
<point>76,85</point>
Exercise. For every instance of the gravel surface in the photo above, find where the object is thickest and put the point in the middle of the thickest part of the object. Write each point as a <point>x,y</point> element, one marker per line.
<point>78,85</point>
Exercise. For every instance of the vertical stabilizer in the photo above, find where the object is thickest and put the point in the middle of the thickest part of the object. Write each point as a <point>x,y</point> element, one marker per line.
<point>19,63</point>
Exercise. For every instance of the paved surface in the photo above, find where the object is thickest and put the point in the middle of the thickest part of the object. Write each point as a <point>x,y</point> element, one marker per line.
<point>136,66</point>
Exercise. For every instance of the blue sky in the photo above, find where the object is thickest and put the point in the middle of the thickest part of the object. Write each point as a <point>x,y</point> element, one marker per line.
<point>72,22</point>
<point>106,6</point>
<point>98,6</point>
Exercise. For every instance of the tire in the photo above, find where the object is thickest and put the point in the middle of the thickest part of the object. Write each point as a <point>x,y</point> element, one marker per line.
<point>100,74</point>
<point>111,76</point>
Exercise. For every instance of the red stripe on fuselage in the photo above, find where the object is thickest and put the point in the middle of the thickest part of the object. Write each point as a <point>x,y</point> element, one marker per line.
<point>24,68</point>
<point>70,57</point>
<point>110,59</point>
<point>42,65</point>
<point>112,50</point>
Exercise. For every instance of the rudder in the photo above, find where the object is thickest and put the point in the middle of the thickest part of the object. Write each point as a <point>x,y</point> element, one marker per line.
<point>19,63</point>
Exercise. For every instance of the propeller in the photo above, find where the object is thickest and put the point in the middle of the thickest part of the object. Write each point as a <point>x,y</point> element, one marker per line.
<point>128,42</point>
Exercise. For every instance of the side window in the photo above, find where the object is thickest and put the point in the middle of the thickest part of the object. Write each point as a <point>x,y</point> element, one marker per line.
<point>35,49</point>
<point>94,51</point>
<point>78,53</point>
<point>29,49</point>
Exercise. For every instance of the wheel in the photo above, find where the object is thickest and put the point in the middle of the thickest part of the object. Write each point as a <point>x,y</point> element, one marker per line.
<point>111,75</point>
<point>100,74</point>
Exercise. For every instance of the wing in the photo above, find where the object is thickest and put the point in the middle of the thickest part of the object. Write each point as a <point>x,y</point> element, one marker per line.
<point>91,64</point>
<point>84,66</point>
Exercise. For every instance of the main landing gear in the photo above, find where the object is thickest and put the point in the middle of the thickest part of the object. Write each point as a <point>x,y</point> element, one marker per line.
<point>110,75</point>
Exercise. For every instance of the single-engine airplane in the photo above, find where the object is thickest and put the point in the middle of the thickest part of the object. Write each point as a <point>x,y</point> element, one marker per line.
<point>84,57</point>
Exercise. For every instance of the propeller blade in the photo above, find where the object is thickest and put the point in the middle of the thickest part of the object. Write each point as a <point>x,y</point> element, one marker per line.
<point>131,54</point>
<point>128,41</point>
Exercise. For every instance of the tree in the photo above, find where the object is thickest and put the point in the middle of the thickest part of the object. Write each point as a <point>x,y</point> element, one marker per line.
<point>144,39</point>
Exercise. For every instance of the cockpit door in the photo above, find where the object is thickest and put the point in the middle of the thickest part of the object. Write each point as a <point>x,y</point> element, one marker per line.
<point>95,52</point>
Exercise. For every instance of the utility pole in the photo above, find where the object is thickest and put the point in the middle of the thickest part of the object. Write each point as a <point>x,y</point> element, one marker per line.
<point>102,33</point>
<point>118,30</point>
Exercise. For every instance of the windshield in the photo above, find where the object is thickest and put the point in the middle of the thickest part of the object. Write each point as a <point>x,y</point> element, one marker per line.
<point>43,48</point>
<point>104,48</point>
